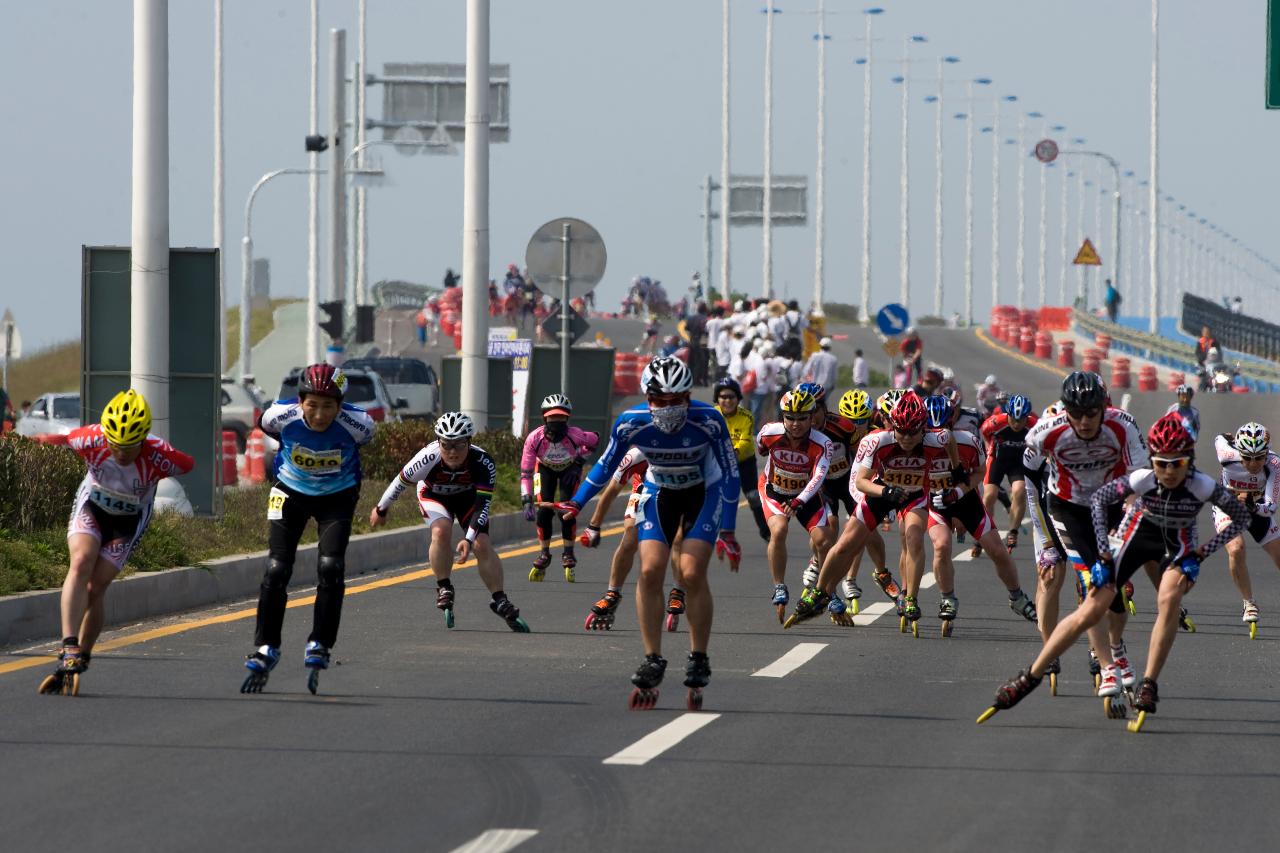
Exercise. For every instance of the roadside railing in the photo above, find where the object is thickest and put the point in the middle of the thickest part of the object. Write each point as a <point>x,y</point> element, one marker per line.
<point>1234,331</point>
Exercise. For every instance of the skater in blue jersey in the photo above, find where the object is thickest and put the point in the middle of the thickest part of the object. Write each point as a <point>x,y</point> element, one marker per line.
<point>691,487</point>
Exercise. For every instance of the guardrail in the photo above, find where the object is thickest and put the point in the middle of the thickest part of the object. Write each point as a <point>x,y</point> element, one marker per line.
<point>401,294</point>
<point>1234,331</point>
<point>1172,354</point>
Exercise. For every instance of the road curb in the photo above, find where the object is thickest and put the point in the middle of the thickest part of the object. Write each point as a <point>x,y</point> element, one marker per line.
<point>37,615</point>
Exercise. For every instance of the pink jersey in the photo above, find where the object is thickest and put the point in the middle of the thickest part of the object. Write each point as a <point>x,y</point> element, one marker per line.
<point>542,452</point>
<point>125,490</point>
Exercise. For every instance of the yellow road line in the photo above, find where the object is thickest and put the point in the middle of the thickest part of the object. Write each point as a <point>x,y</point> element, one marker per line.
<point>249,612</point>
<point>982,336</point>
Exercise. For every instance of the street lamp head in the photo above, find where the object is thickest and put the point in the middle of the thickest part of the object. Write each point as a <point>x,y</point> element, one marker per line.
<point>1129,174</point>
<point>982,81</point>
<point>1035,114</point>
<point>1058,128</point>
<point>1010,98</point>
<point>917,39</point>
<point>929,99</point>
<point>861,60</point>
<point>767,9</point>
<point>1071,174</point>
<point>897,78</point>
<point>951,59</point>
<point>874,10</point>
<point>1011,142</point>
<point>961,115</point>
<point>987,130</point>
<point>1079,140</point>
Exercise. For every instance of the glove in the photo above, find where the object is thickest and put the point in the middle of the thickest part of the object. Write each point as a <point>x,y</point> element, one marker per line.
<point>527,502</point>
<point>959,476</point>
<point>568,510</point>
<point>894,496</point>
<point>590,538</point>
<point>1190,566</point>
<point>727,546</point>
<point>795,504</point>
<point>945,498</point>
<point>1048,558</point>
<point>1266,508</point>
<point>1102,572</point>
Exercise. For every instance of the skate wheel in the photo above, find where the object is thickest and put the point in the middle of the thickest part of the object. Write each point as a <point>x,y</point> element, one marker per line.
<point>673,621</point>
<point>915,629</point>
<point>694,700</point>
<point>448,617</point>
<point>1131,607</point>
<point>853,606</point>
<point>313,681</point>
<point>1097,682</point>
<point>987,714</point>
<point>1114,707</point>
<point>791,620</point>
<point>569,576</point>
<point>1053,684</point>
<point>902,624</point>
<point>946,628</point>
<point>537,575</point>
<point>1253,632</point>
<point>1135,726</point>
<point>643,700</point>
<point>519,625</point>
<point>71,686</point>
<point>782,613</point>
<point>51,684</point>
<point>254,682</point>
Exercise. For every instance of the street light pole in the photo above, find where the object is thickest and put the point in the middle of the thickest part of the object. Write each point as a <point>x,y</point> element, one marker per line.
<point>313,199</point>
<point>219,185</point>
<point>1020,257</point>
<point>767,244</point>
<point>361,194</point>
<point>1154,199</point>
<point>724,151</point>
<point>865,314</point>
<point>904,260</point>
<point>474,393</point>
<point>1063,262</point>
<point>820,232</point>
<point>943,61</point>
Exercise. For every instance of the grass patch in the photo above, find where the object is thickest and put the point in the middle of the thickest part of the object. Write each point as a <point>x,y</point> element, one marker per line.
<point>875,379</point>
<point>261,322</point>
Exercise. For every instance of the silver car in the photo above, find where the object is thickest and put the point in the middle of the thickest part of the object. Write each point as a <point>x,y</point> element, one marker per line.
<point>51,414</point>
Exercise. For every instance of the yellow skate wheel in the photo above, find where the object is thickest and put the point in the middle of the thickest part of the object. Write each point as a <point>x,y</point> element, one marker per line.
<point>791,620</point>
<point>853,606</point>
<point>1053,684</point>
<point>1253,630</point>
<point>946,628</point>
<point>1114,707</point>
<point>569,576</point>
<point>49,685</point>
<point>1131,607</point>
<point>1135,726</point>
<point>987,714</point>
<point>782,613</point>
<point>537,575</point>
<point>915,629</point>
<point>902,624</point>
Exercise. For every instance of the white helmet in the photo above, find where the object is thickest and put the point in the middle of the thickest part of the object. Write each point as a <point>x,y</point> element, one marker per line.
<point>453,425</point>
<point>556,401</point>
<point>1252,439</point>
<point>666,375</point>
<point>825,343</point>
<point>990,380</point>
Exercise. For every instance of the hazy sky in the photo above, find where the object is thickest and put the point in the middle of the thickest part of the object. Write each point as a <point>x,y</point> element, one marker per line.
<point>616,119</point>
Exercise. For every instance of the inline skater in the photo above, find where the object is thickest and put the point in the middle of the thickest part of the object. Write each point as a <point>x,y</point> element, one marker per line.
<point>317,471</point>
<point>1075,452</point>
<point>111,511</point>
<point>1006,439</point>
<point>553,457</point>
<point>890,472</point>
<point>844,437</point>
<point>691,486</point>
<point>954,503</point>
<point>1189,414</point>
<point>797,457</point>
<point>742,431</point>
<point>878,419</point>
<point>1251,472</point>
<point>1158,529</point>
<point>455,480</point>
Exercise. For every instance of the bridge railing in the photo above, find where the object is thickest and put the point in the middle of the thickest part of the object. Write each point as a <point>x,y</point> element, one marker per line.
<point>1234,331</point>
<point>401,294</point>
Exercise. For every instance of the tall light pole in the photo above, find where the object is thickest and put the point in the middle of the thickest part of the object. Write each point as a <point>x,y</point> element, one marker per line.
<point>361,197</point>
<point>820,232</point>
<point>865,314</point>
<point>724,150</point>
<point>1153,253</point>
<point>904,259</point>
<point>219,185</point>
<point>337,178</point>
<point>1020,258</point>
<point>767,244</point>
<point>968,197</point>
<point>995,199</point>
<point>1063,226</point>
<point>474,397</point>
<point>313,200</point>
<point>937,99</point>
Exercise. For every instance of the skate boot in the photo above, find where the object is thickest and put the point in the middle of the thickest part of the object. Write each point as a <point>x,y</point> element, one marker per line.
<point>1145,703</point>
<point>1249,615</point>
<point>852,592</point>
<point>812,602</point>
<point>646,681</point>
<point>1011,693</point>
<point>1110,689</point>
<point>508,611</point>
<point>1023,606</point>
<point>1011,539</point>
<point>959,537</point>
<point>811,572</point>
<point>603,611</point>
<point>780,599</point>
<point>675,608</point>
<point>444,601</point>
<point>316,659</point>
<point>569,562</point>
<point>66,678</point>
<point>1184,621</point>
<point>1053,670</point>
<point>839,612</point>
<point>697,672</point>
<point>259,664</point>
<point>885,581</point>
<point>948,609</point>
<point>1120,655</point>
<point>910,616</point>
<point>539,571</point>
<point>975,551</point>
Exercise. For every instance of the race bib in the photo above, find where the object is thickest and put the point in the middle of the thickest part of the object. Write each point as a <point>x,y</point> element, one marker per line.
<point>838,468</point>
<point>789,482</point>
<point>116,503</point>
<point>537,485</point>
<point>676,478</point>
<point>316,462</point>
<point>275,504</point>
<point>905,479</point>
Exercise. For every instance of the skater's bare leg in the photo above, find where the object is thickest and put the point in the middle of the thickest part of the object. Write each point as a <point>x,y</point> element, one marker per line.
<point>778,547</point>
<point>944,570</point>
<point>1085,618</point>
<point>84,550</point>
<point>488,564</point>
<point>994,548</point>
<point>1017,503</point>
<point>440,554</point>
<point>91,626</point>
<point>912,564</point>
<point>1048,591</point>
<point>625,557</point>
<point>651,606</point>
<point>1173,586</point>
<point>1239,566</point>
<point>699,609</point>
<point>840,556</point>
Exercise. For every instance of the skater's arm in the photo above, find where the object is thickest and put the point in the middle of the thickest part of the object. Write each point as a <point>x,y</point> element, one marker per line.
<point>598,476</point>
<point>603,501</point>
<point>357,422</point>
<point>1224,500</point>
<point>1117,490</point>
<point>484,473</point>
<point>820,467</point>
<point>414,472</point>
<point>1226,451</point>
<point>727,459</point>
<point>166,459</point>
<point>1272,492</point>
<point>1035,509</point>
<point>528,458</point>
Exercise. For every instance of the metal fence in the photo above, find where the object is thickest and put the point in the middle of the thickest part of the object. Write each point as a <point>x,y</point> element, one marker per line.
<point>1237,332</point>
<point>401,294</point>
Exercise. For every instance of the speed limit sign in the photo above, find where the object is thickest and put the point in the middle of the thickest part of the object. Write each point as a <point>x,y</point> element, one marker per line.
<point>1046,150</point>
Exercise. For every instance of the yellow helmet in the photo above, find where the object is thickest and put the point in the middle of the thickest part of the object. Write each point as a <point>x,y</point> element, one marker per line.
<point>854,405</point>
<point>127,419</point>
<point>797,402</point>
<point>888,400</point>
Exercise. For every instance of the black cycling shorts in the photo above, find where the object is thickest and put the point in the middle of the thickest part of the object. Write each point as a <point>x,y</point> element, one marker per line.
<point>1002,464</point>
<point>838,495</point>
<point>1144,542</point>
<point>1072,525</point>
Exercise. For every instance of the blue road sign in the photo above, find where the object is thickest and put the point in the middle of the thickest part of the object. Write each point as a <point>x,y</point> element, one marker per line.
<point>893,319</point>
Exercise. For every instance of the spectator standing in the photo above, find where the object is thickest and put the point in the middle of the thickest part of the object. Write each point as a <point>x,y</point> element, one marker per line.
<point>822,366</point>
<point>1207,342</point>
<point>861,373</point>
<point>1112,301</point>
<point>450,278</point>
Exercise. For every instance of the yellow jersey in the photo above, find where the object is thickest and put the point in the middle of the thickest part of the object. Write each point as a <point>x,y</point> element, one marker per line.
<point>742,432</point>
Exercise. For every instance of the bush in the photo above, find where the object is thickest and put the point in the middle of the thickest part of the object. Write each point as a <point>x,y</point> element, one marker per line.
<point>395,444</point>
<point>840,312</point>
<point>37,483</point>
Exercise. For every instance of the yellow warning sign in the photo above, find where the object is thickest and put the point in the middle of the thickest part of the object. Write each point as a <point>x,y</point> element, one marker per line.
<point>1087,255</point>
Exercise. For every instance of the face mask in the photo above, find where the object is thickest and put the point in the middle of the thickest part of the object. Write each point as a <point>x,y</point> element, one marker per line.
<point>669,418</point>
<point>555,430</point>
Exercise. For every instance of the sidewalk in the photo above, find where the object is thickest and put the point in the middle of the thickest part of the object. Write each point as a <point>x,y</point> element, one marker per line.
<point>281,350</point>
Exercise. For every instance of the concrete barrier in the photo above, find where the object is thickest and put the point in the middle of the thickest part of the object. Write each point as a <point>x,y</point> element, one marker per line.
<point>36,615</point>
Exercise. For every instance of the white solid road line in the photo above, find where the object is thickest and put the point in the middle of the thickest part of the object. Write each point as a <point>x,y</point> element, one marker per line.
<point>496,841</point>
<point>872,612</point>
<point>791,661</point>
<point>927,581</point>
<point>655,743</point>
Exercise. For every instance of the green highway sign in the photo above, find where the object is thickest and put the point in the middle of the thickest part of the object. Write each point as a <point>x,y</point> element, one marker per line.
<point>1273,55</point>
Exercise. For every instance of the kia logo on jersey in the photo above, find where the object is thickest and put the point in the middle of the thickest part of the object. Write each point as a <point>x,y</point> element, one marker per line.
<point>791,457</point>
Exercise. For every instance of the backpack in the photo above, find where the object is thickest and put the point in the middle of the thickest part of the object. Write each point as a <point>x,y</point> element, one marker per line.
<point>792,347</point>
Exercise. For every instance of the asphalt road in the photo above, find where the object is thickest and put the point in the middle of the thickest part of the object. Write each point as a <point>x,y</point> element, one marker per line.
<point>424,738</point>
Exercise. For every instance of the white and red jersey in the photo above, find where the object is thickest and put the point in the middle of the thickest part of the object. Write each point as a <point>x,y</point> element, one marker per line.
<point>631,469</point>
<point>125,489</point>
<point>1260,488</point>
<point>970,454</point>
<point>880,453</point>
<point>1077,466</point>
<point>793,471</point>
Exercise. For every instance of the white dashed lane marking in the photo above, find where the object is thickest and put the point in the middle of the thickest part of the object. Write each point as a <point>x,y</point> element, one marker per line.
<point>791,661</point>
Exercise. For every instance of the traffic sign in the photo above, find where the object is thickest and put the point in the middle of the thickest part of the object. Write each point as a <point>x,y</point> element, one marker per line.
<point>890,346</point>
<point>1087,256</point>
<point>893,319</point>
<point>544,257</point>
<point>1046,150</point>
<point>578,325</point>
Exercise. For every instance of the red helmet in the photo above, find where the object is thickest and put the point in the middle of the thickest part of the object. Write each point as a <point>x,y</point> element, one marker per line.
<point>1168,436</point>
<point>909,414</point>
<point>322,379</point>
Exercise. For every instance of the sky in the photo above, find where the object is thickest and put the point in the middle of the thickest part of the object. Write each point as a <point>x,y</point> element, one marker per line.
<point>616,120</point>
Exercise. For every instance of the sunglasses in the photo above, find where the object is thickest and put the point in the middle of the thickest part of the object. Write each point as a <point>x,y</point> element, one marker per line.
<point>908,433</point>
<point>1083,413</point>
<point>1254,457</point>
<point>1172,464</point>
<point>793,417</point>
<point>664,400</point>
<point>455,444</point>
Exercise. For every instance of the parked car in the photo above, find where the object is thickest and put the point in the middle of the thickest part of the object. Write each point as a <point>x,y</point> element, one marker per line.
<point>51,414</point>
<point>365,389</point>
<point>241,410</point>
<point>410,378</point>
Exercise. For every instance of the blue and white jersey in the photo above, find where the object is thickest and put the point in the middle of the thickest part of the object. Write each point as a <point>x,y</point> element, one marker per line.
<point>1190,418</point>
<point>699,453</point>
<point>317,463</point>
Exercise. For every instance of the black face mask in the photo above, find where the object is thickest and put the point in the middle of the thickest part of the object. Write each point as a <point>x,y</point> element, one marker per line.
<point>555,430</point>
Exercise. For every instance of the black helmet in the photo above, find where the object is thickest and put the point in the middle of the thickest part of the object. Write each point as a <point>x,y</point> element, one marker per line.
<point>1084,390</point>
<point>730,384</point>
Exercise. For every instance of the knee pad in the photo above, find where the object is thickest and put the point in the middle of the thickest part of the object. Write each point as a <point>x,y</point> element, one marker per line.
<point>278,573</point>
<point>331,570</point>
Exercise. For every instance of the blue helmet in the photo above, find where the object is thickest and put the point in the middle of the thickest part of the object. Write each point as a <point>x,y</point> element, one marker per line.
<point>815,390</point>
<point>938,410</point>
<point>1019,407</point>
